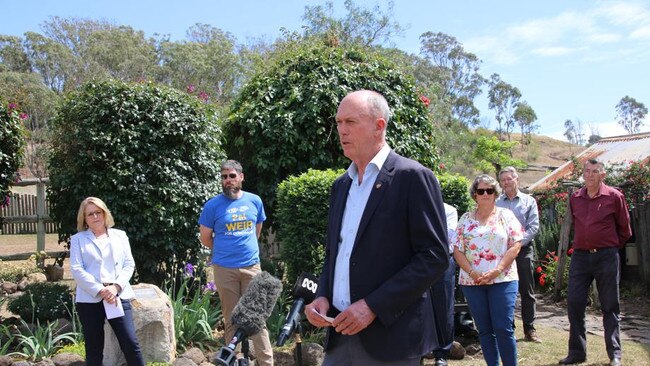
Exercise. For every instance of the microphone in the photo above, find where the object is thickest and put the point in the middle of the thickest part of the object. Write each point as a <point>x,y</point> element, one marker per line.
<point>304,292</point>
<point>251,312</point>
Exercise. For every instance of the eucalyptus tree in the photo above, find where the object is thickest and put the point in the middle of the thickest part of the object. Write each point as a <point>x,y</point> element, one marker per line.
<point>457,71</point>
<point>630,114</point>
<point>503,98</point>
<point>525,117</point>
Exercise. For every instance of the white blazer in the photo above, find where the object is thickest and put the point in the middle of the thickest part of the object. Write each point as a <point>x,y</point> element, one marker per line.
<point>86,263</point>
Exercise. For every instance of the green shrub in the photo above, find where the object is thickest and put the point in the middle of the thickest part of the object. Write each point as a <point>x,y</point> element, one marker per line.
<point>150,153</point>
<point>43,301</point>
<point>13,271</point>
<point>282,121</point>
<point>78,348</point>
<point>41,342</point>
<point>303,203</point>
<point>455,191</point>
<point>12,146</point>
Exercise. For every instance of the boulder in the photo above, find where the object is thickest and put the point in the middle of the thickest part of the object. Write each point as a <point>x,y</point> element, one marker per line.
<point>9,287</point>
<point>44,362</point>
<point>195,355</point>
<point>153,317</point>
<point>36,277</point>
<point>6,360</point>
<point>54,272</point>
<point>182,361</point>
<point>68,359</point>
<point>457,351</point>
<point>312,354</point>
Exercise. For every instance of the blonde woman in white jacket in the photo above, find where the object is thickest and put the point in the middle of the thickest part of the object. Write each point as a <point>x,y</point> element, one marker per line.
<point>102,266</point>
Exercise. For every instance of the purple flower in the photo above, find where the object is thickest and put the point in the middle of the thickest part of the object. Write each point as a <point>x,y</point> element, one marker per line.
<point>209,287</point>
<point>11,106</point>
<point>189,270</point>
<point>23,116</point>
<point>190,88</point>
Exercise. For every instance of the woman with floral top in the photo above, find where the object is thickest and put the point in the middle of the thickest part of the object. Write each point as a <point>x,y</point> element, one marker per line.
<point>488,240</point>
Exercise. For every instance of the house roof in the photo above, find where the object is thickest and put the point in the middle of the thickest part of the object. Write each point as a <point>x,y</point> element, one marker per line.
<point>621,150</point>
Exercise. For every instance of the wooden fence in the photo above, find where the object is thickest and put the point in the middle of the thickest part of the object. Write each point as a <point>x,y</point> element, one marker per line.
<point>21,206</point>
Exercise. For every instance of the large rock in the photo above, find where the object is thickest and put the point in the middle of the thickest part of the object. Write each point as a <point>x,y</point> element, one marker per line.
<point>68,359</point>
<point>153,316</point>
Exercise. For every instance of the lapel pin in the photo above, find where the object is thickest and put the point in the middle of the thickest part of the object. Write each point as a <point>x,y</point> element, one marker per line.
<point>378,185</point>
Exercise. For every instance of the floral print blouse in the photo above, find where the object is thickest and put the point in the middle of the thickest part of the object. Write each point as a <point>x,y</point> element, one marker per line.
<point>485,245</point>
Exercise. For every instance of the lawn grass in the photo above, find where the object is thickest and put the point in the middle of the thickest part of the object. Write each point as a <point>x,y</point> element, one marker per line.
<point>554,347</point>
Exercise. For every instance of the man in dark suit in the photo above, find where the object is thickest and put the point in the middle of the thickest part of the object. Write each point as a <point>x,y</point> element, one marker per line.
<point>386,245</point>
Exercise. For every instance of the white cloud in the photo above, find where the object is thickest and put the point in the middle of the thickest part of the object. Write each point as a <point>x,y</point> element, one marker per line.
<point>552,51</point>
<point>582,32</point>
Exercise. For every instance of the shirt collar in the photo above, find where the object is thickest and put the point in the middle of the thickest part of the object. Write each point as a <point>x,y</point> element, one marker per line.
<point>378,160</point>
<point>602,191</point>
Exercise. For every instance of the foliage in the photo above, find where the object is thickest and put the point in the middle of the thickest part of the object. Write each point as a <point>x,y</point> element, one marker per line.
<point>503,98</point>
<point>548,237</point>
<point>196,310</point>
<point>281,123</point>
<point>630,114</point>
<point>455,192</point>
<point>41,342</point>
<point>458,72</point>
<point>492,154</point>
<point>546,272</point>
<point>525,117</point>
<point>43,301</point>
<point>150,153</point>
<point>6,337</point>
<point>634,179</point>
<point>13,271</point>
<point>12,146</point>
<point>360,26</point>
<point>303,203</point>
<point>77,348</point>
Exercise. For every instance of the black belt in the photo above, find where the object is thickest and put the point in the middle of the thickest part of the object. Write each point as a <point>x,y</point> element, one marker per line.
<point>594,250</point>
<point>106,284</point>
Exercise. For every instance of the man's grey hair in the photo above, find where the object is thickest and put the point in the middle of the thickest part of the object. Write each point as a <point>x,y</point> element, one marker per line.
<point>231,164</point>
<point>511,170</point>
<point>378,105</point>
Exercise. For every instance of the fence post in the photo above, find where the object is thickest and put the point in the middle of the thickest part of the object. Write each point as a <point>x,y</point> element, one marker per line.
<point>563,246</point>
<point>40,224</point>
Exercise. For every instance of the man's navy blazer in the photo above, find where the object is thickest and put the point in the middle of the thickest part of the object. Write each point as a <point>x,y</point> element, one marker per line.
<point>399,252</point>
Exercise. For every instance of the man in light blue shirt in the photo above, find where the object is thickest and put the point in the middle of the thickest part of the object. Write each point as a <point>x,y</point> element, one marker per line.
<point>524,207</point>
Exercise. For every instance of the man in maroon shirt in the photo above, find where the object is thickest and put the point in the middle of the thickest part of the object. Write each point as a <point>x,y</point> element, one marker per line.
<point>601,227</point>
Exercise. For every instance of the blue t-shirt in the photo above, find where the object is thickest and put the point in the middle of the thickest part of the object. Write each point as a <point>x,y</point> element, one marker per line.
<point>234,225</point>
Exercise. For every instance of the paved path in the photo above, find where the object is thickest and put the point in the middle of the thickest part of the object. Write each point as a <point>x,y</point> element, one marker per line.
<point>634,325</point>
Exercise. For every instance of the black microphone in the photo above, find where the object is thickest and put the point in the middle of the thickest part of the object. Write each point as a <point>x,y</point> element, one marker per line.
<point>250,313</point>
<point>304,292</point>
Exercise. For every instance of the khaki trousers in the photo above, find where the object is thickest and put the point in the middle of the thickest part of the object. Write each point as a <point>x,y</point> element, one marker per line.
<point>231,284</point>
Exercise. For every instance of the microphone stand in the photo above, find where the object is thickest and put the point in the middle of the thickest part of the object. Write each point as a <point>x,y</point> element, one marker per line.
<point>244,361</point>
<point>298,337</point>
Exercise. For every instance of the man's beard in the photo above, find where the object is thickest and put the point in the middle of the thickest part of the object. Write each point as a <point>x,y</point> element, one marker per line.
<point>231,192</point>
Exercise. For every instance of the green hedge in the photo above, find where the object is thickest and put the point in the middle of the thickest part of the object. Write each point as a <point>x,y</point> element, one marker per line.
<point>455,192</point>
<point>303,203</point>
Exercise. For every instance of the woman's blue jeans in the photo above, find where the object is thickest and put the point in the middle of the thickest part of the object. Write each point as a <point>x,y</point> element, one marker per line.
<point>493,310</point>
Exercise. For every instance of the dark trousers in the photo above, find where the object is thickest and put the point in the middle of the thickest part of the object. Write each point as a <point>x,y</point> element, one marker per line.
<point>442,293</point>
<point>526,286</point>
<point>604,267</point>
<point>92,316</point>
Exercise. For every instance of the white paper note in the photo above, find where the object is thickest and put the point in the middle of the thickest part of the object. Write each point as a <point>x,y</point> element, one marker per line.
<point>113,310</point>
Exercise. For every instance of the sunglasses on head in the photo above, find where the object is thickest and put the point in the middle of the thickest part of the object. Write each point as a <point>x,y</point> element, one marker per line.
<point>226,176</point>
<point>481,191</point>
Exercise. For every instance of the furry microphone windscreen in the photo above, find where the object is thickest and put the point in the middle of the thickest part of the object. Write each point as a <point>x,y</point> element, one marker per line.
<point>256,304</point>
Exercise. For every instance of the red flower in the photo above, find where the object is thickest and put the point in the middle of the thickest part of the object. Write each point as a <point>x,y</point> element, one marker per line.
<point>441,166</point>
<point>23,115</point>
<point>425,100</point>
<point>555,258</point>
<point>542,281</point>
<point>570,251</point>
<point>539,269</point>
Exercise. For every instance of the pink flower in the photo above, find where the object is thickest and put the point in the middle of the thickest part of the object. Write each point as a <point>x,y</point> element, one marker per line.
<point>425,100</point>
<point>570,251</point>
<point>441,166</point>
<point>539,269</point>
<point>190,88</point>
<point>11,106</point>
<point>23,116</point>
<point>204,96</point>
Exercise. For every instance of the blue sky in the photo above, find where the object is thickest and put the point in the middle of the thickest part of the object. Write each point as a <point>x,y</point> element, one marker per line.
<point>570,59</point>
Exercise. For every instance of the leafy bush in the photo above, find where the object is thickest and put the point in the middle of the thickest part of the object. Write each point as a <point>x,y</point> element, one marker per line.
<point>12,272</point>
<point>196,310</point>
<point>455,192</point>
<point>546,272</point>
<point>303,203</point>
<point>78,348</point>
<point>150,153</point>
<point>43,301</point>
<point>41,342</point>
<point>12,146</point>
<point>282,121</point>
